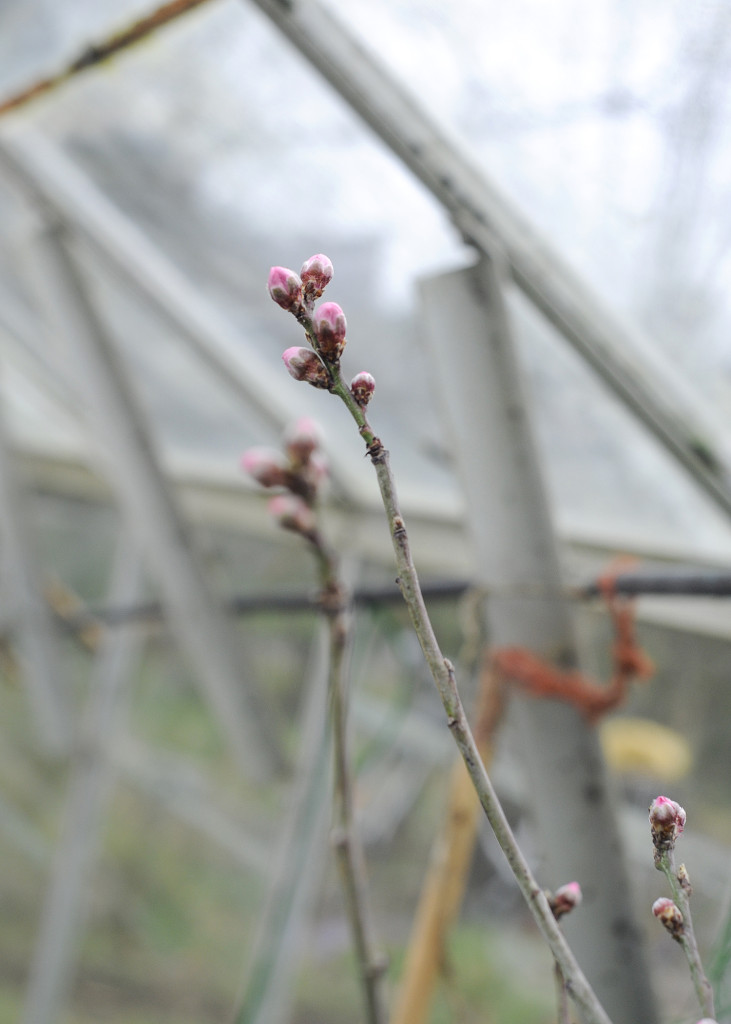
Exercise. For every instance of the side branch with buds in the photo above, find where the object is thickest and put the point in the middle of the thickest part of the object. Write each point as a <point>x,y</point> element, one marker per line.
<point>299,473</point>
<point>319,365</point>
<point>667,822</point>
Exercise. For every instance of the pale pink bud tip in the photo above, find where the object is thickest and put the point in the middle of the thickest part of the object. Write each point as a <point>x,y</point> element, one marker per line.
<point>292,513</point>
<point>565,899</point>
<point>667,821</point>
<point>669,915</point>
<point>285,287</point>
<point>266,467</point>
<point>571,892</point>
<point>302,438</point>
<point>362,387</point>
<point>304,364</point>
<point>330,327</point>
<point>316,274</point>
<point>707,1020</point>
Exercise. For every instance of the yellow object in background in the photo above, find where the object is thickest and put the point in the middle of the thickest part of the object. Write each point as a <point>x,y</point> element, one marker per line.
<point>640,746</point>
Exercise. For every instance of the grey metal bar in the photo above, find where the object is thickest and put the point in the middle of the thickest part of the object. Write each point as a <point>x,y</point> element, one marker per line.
<point>489,220</point>
<point>31,620</point>
<point>41,170</point>
<point>479,382</point>
<point>676,584</point>
<point>298,865</point>
<point>119,428</point>
<point>64,909</point>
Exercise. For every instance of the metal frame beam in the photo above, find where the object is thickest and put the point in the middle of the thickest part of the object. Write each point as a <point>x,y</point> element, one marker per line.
<point>116,421</point>
<point>516,559</point>
<point>488,220</point>
<point>90,787</point>
<point>31,620</point>
<point>40,170</point>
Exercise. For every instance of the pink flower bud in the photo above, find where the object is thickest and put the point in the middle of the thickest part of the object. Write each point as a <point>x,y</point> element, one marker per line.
<point>362,387</point>
<point>330,327</point>
<point>304,364</point>
<point>292,513</point>
<point>667,821</point>
<point>301,439</point>
<point>285,287</point>
<point>707,1020</point>
<point>266,466</point>
<point>565,899</point>
<point>669,915</point>
<point>316,274</point>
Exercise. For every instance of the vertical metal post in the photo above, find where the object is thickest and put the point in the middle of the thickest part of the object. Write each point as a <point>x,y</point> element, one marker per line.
<point>470,342</point>
<point>298,866</point>
<point>31,619</point>
<point>117,423</point>
<point>90,786</point>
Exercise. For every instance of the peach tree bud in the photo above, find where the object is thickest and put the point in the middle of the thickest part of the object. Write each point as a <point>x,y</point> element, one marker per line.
<point>362,387</point>
<point>564,899</point>
<point>285,287</point>
<point>684,879</point>
<point>669,915</point>
<point>293,513</point>
<point>667,821</point>
<point>304,364</point>
<point>301,439</point>
<point>316,274</point>
<point>330,326</point>
<point>266,466</point>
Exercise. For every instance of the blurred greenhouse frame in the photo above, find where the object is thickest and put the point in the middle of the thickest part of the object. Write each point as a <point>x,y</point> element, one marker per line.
<point>527,210</point>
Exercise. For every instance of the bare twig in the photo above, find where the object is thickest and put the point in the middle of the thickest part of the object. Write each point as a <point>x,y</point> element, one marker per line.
<point>344,839</point>
<point>681,890</point>
<point>299,472</point>
<point>95,53</point>
<point>328,376</point>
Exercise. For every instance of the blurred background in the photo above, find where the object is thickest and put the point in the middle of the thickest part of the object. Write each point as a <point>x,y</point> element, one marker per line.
<point>151,742</point>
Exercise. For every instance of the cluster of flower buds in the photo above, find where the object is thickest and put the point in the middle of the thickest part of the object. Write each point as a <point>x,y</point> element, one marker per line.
<point>667,821</point>
<point>300,471</point>
<point>668,914</point>
<point>564,899</point>
<point>326,326</point>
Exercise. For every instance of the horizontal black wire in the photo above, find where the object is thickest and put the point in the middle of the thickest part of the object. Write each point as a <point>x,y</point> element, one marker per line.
<point>717,584</point>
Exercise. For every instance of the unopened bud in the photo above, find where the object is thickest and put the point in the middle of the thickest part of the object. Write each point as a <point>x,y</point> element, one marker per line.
<point>292,513</point>
<point>266,466</point>
<point>362,387</point>
<point>669,915</point>
<point>667,821</point>
<point>301,439</point>
<point>330,327</point>
<point>316,274</point>
<point>565,899</point>
<point>304,364</point>
<point>684,880</point>
<point>285,287</point>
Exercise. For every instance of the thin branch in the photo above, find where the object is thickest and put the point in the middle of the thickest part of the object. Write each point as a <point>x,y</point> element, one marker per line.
<point>371,965</point>
<point>680,887</point>
<point>95,53</point>
<point>444,679</point>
